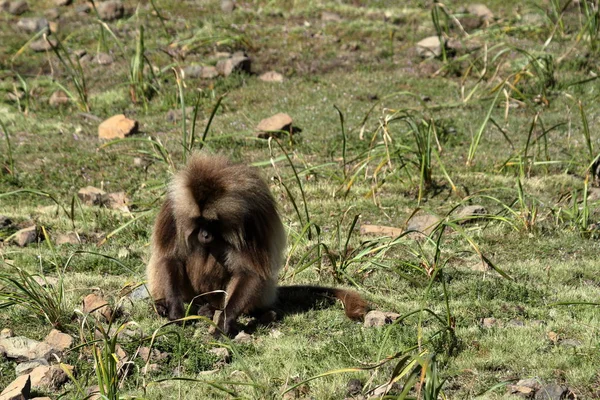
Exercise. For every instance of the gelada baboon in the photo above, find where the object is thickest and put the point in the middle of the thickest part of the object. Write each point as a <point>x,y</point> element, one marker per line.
<point>218,242</point>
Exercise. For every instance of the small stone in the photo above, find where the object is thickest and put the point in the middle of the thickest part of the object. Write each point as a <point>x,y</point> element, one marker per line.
<point>521,391</point>
<point>468,213</point>
<point>570,343</point>
<point>209,72</point>
<point>222,353</point>
<point>374,318</point>
<point>192,71</point>
<point>58,340</point>
<point>551,391</point>
<point>354,387</point>
<point>103,58</point>
<point>110,10</point>
<point>49,377</point>
<point>33,25</point>
<point>43,44</point>
<point>18,389</point>
<point>28,366</point>
<point>238,62</point>
<point>273,126</point>
<point>63,2</point>
<point>58,98</point>
<point>116,201</point>
<point>327,16</point>
<point>95,303</point>
<point>26,236</point>
<point>481,11</point>
<point>25,349</point>
<point>516,323</point>
<point>490,322</point>
<point>91,195</point>
<point>6,333</point>
<point>227,6</point>
<point>18,7</point>
<point>271,76</point>
<point>425,223</point>
<point>429,47</point>
<point>139,293</point>
<point>155,355</point>
<point>117,126</point>
<point>67,238</point>
<point>243,338</point>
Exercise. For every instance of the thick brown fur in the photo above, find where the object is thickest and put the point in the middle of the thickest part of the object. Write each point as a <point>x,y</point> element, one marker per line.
<point>218,242</point>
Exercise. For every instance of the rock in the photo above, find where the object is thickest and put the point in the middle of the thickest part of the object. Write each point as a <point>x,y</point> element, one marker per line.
<point>4,5</point>
<point>429,47</point>
<point>155,355</point>
<point>58,340</point>
<point>374,318</point>
<point>45,281</point>
<point>18,389</point>
<point>95,303</point>
<point>103,58</point>
<point>67,238</point>
<point>271,76</point>
<point>139,293</point>
<point>27,367</point>
<point>238,62</point>
<point>222,353</point>
<point>58,98</point>
<point>327,16</point>
<point>33,25</point>
<point>26,236</point>
<point>481,11</point>
<point>570,343</point>
<point>116,201</point>
<point>192,71</point>
<point>490,322</point>
<point>110,10</point>
<point>521,391</point>
<point>516,323</point>
<point>6,333</point>
<point>18,7</point>
<point>63,2</point>
<point>468,212</point>
<point>91,195</point>
<point>354,387</point>
<point>273,126</point>
<point>593,194</point>
<point>52,14</point>
<point>551,392</point>
<point>227,6</point>
<point>49,377</point>
<point>243,338</point>
<point>25,349</point>
<point>424,223</point>
<point>209,72</point>
<point>117,126</point>
<point>43,44</point>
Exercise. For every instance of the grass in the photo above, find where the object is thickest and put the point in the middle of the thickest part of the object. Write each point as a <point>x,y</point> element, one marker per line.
<point>509,126</point>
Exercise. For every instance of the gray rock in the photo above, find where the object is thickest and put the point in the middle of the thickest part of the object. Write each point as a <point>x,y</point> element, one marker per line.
<point>570,343</point>
<point>243,338</point>
<point>374,318</point>
<point>28,366</point>
<point>551,392</point>
<point>25,349</point>
<point>424,223</point>
<point>91,195</point>
<point>140,293</point>
<point>42,44</point>
<point>26,236</point>
<point>110,10</point>
<point>470,211</point>
<point>222,353</point>
<point>33,25</point>
<point>58,98</point>
<point>192,71</point>
<point>104,58</point>
<point>429,47</point>
<point>354,387</point>
<point>238,62</point>
<point>227,6</point>
<point>481,11</point>
<point>209,72</point>
<point>18,7</point>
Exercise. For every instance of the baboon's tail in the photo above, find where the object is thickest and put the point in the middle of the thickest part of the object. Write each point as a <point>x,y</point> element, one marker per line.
<point>295,299</point>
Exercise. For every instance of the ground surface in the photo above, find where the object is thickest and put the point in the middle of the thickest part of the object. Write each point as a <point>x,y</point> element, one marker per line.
<point>506,118</point>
